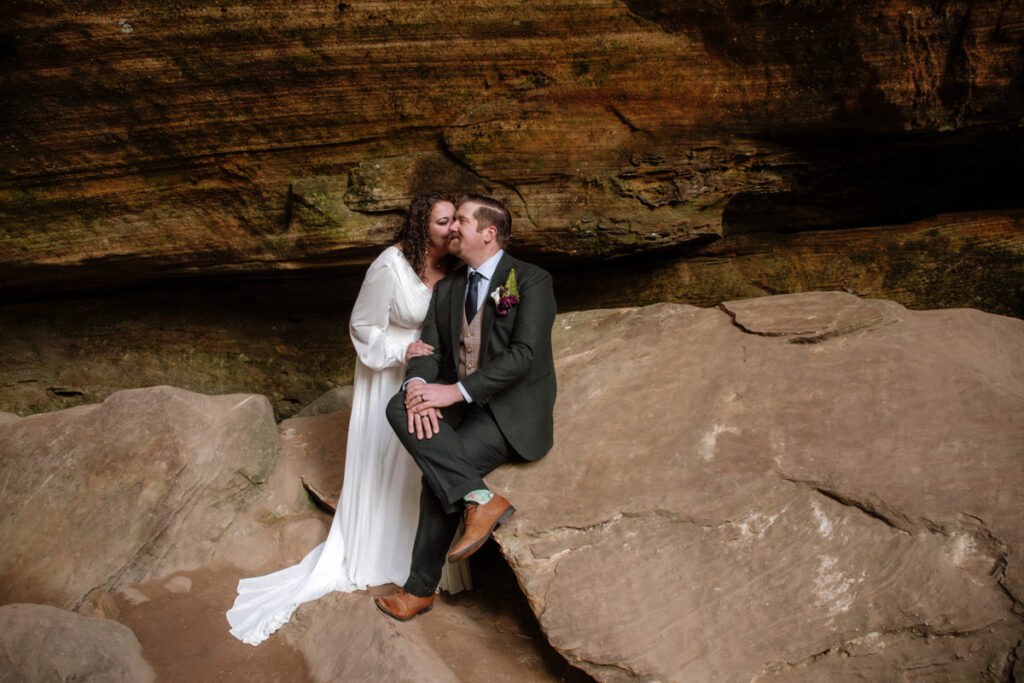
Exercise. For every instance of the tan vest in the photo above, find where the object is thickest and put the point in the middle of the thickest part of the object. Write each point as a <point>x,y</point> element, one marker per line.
<point>469,343</point>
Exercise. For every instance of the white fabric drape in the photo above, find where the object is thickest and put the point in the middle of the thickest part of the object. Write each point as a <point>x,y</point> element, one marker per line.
<point>371,537</point>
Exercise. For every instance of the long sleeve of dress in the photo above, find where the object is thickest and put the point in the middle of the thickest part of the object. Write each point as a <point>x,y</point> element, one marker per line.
<point>369,326</point>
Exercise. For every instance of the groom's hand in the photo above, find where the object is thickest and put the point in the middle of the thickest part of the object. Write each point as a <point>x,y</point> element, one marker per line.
<point>424,423</point>
<point>420,396</point>
<point>423,403</point>
<point>420,423</point>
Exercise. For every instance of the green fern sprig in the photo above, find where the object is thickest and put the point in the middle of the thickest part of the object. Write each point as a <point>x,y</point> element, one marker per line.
<point>510,284</point>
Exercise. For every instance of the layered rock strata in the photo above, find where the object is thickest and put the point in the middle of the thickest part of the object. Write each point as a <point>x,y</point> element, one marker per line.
<point>167,140</point>
<point>649,151</point>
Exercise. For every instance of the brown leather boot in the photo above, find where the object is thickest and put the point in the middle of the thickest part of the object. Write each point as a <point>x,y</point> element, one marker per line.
<point>403,606</point>
<point>481,521</point>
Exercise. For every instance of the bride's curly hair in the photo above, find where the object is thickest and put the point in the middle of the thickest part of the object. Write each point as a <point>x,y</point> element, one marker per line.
<point>414,233</point>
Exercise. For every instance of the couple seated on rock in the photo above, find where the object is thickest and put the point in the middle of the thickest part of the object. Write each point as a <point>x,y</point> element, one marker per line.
<point>466,354</point>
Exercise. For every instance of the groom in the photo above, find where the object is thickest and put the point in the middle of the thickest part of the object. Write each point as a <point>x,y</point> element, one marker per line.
<point>483,397</point>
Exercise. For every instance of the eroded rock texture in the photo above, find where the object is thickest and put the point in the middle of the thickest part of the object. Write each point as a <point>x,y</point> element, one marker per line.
<point>42,643</point>
<point>169,139</point>
<point>146,483</point>
<point>792,488</point>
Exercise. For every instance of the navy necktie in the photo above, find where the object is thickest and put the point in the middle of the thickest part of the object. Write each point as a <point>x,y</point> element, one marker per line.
<point>471,306</point>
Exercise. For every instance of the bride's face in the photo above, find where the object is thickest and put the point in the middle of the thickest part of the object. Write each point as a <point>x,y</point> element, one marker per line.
<point>441,217</point>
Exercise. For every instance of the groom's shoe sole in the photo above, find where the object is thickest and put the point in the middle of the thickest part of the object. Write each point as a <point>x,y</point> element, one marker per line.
<point>462,552</point>
<point>407,614</point>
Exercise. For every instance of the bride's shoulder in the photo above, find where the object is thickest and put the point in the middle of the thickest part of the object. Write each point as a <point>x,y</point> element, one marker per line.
<point>394,260</point>
<point>391,255</point>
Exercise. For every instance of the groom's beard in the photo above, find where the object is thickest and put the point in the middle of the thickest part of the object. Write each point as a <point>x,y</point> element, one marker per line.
<point>455,247</point>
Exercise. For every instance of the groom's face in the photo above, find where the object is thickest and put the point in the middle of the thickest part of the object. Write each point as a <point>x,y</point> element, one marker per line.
<point>468,241</point>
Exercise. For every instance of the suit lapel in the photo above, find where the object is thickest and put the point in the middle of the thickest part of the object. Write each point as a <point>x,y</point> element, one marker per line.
<point>456,310</point>
<point>489,313</point>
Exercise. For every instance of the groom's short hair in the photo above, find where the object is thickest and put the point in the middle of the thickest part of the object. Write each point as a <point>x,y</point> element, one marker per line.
<point>490,212</point>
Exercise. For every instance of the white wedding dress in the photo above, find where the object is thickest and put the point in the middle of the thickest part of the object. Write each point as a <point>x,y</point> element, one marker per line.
<point>371,537</point>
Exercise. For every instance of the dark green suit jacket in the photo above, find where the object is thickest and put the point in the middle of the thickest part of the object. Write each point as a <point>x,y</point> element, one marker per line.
<point>516,378</point>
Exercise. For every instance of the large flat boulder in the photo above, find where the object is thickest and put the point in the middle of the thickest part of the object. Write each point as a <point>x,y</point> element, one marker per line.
<point>45,644</point>
<point>144,484</point>
<point>803,487</point>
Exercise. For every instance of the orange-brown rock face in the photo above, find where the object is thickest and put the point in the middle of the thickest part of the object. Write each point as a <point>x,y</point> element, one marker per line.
<point>715,149</point>
<point>180,138</point>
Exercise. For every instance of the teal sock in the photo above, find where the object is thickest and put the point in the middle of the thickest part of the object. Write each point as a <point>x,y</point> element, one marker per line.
<point>480,496</point>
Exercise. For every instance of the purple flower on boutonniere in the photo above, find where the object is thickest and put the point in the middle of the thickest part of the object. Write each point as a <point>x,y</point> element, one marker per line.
<point>507,295</point>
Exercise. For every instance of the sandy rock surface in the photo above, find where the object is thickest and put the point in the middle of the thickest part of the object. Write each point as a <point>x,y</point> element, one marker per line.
<point>146,483</point>
<point>315,448</point>
<point>179,619</point>
<point>803,487</point>
<point>489,629</point>
<point>44,644</point>
<point>378,649</point>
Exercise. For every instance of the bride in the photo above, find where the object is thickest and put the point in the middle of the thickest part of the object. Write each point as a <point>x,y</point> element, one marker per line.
<point>371,537</point>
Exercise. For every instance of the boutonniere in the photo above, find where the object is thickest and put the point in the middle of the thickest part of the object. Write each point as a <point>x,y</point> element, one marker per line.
<point>507,295</point>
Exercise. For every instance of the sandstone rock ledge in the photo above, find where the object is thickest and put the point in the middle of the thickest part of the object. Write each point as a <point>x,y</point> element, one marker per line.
<point>793,488</point>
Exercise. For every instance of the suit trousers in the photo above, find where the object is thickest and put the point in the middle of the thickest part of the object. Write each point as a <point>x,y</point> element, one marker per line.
<point>468,446</point>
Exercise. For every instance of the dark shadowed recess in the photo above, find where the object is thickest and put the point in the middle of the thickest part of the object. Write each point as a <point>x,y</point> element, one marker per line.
<point>280,333</point>
<point>848,180</point>
<point>283,336</point>
<point>867,165</point>
<point>497,597</point>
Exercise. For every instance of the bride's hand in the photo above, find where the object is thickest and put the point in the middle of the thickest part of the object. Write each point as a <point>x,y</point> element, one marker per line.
<point>418,348</point>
